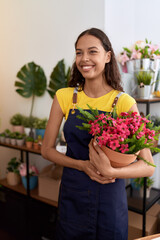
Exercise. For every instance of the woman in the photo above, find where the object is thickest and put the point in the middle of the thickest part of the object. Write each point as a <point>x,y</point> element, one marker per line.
<point>92,200</point>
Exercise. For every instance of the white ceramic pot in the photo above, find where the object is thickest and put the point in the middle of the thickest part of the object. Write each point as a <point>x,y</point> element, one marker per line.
<point>148,190</point>
<point>13,141</point>
<point>144,92</point>
<point>20,142</point>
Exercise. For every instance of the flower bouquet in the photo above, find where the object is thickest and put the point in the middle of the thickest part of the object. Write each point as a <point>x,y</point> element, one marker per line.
<point>124,135</point>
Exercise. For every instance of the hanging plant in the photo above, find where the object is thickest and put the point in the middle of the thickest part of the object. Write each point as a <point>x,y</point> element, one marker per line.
<point>59,78</point>
<point>32,82</point>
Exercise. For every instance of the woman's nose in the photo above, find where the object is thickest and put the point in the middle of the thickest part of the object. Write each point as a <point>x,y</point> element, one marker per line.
<point>85,57</point>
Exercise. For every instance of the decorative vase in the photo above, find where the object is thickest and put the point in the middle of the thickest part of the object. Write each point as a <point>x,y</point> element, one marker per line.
<point>118,159</point>
<point>13,179</point>
<point>33,181</point>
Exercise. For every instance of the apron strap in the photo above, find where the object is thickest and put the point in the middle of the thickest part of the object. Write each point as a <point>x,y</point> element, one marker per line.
<point>74,101</point>
<point>115,101</point>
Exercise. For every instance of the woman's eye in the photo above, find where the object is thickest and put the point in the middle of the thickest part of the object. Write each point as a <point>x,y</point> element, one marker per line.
<point>93,52</point>
<point>78,53</point>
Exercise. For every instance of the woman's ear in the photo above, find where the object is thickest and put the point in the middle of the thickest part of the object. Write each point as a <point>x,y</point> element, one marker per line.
<point>108,56</point>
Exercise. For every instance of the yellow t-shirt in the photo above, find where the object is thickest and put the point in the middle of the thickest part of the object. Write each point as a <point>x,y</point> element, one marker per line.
<point>103,103</point>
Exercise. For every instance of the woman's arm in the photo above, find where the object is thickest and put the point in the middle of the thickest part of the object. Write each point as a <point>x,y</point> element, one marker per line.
<point>50,153</point>
<point>137,169</point>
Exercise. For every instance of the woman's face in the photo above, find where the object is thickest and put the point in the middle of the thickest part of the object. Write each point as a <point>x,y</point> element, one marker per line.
<point>91,57</point>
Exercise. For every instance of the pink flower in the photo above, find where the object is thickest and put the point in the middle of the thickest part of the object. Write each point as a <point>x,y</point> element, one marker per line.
<point>23,170</point>
<point>123,58</point>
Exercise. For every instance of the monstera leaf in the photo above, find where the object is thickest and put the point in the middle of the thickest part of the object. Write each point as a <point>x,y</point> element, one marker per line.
<point>32,82</point>
<point>59,78</point>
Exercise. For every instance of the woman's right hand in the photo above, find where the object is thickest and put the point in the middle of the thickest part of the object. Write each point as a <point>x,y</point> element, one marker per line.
<point>93,173</point>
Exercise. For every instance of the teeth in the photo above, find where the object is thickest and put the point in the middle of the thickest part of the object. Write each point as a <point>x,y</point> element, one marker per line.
<point>87,67</point>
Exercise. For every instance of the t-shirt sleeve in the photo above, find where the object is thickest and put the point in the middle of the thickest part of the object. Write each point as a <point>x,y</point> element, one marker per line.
<point>124,103</point>
<point>64,97</point>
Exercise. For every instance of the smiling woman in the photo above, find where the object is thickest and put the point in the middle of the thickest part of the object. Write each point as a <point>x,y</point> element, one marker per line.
<point>92,202</point>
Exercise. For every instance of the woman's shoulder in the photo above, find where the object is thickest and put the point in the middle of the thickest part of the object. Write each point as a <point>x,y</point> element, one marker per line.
<point>68,91</point>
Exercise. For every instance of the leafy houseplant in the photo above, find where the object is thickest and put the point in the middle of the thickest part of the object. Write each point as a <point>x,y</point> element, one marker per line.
<point>139,182</point>
<point>29,142</point>
<point>32,82</point>
<point>59,78</point>
<point>40,126</point>
<point>17,122</point>
<point>13,177</point>
<point>144,77</point>
<point>126,134</point>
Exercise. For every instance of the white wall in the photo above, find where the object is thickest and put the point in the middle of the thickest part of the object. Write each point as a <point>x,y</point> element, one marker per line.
<point>43,31</point>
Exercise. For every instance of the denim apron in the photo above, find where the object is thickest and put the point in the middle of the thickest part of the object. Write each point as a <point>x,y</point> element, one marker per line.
<point>87,209</point>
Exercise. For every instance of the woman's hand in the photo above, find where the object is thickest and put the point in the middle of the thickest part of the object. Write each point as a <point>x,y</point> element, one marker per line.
<point>94,174</point>
<point>99,159</point>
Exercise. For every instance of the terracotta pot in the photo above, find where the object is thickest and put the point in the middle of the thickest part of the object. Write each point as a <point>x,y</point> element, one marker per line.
<point>36,146</point>
<point>18,129</point>
<point>29,144</point>
<point>118,159</point>
<point>13,179</point>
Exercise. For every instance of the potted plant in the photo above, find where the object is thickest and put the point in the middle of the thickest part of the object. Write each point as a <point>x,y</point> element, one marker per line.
<point>139,183</point>
<point>28,125</point>
<point>7,132</point>
<point>13,177</point>
<point>2,137</point>
<point>36,144</point>
<point>144,83</point>
<point>17,123</point>
<point>40,126</point>
<point>33,175</point>
<point>156,123</point>
<point>59,78</point>
<point>29,142</point>
<point>20,139</point>
<point>12,137</point>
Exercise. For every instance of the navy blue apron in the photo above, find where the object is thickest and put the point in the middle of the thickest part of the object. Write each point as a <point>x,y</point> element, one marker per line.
<point>88,210</point>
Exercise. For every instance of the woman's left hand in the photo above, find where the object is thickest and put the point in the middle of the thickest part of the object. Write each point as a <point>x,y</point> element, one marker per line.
<point>99,159</point>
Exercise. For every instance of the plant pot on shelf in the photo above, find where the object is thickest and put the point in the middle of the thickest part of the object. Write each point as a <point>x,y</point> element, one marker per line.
<point>148,190</point>
<point>13,141</point>
<point>36,145</point>
<point>118,159</point>
<point>29,144</point>
<point>19,128</point>
<point>20,142</point>
<point>144,92</point>
<point>33,182</point>
<point>13,179</point>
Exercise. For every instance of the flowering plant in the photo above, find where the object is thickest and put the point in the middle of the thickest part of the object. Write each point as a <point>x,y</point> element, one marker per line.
<point>141,49</point>
<point>127,133</point>
<point>23,170</point>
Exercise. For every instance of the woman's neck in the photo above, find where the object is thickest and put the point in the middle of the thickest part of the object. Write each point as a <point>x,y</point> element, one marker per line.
<point>96,89</point>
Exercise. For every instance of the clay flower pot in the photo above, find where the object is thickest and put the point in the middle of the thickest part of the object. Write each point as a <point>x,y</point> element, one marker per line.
<point>118,159</point>
<point>13,179</point>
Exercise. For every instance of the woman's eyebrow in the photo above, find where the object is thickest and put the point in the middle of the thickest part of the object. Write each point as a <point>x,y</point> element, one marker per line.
<point>78,49</point>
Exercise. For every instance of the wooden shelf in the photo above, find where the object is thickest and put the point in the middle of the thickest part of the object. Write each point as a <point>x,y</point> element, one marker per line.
<point>33,193</point>
<point>150,100</point>
<point>21,148</point>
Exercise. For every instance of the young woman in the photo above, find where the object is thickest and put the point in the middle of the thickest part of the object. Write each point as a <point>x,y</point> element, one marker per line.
<point>92,200</point>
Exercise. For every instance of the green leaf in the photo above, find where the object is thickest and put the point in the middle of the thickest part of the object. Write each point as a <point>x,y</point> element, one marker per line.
<point>58,78</point>
<point>32,80</point>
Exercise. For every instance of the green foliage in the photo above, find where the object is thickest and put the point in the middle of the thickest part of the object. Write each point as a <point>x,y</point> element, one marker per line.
<point>59,78</point>
<point>16,119</point>
<point>28,122</point>
<point>40,123</point>
<point>144,77</point>
<point>29,139</point>
<point>156,120</point>
<point>13,165</point>
<point>139,182</point>
<point>32,82</point>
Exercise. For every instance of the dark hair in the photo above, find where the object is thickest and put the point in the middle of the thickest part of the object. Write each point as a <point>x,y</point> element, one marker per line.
<point>112,74</point>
